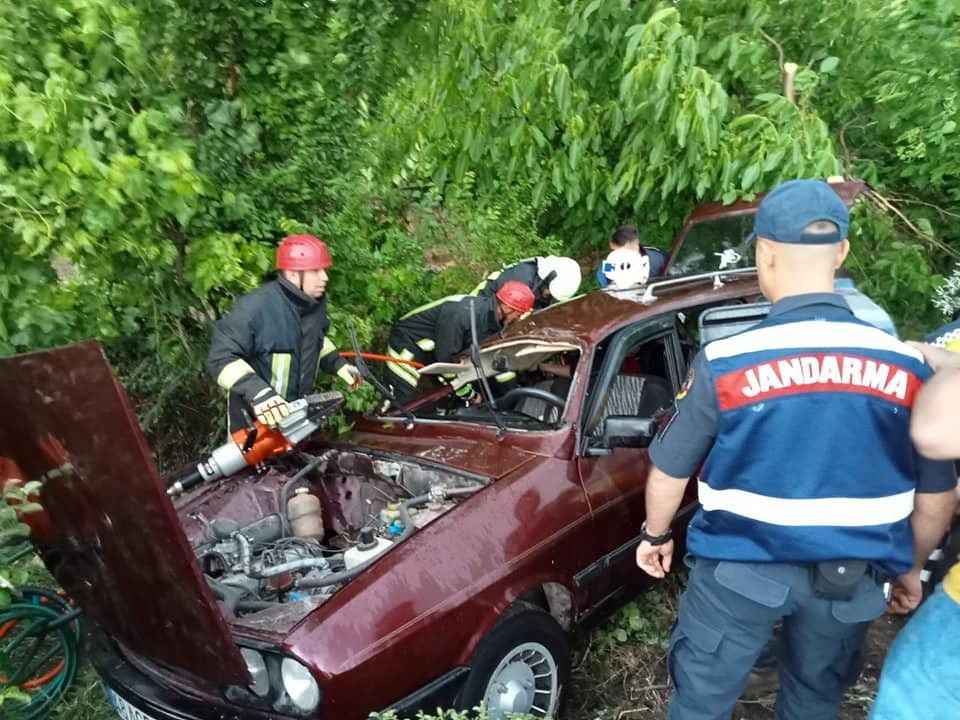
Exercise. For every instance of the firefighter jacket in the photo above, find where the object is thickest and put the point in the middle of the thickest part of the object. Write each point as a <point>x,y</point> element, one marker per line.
<point>440,331</point>
<point>275,337</point>
<point>524,271</point>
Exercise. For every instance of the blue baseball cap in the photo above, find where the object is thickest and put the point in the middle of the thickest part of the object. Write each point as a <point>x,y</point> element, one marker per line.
<point>789,208</point>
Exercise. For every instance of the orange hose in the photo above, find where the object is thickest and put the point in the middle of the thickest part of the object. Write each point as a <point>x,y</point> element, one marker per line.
<point>43,679</point>
<point>383,358</point>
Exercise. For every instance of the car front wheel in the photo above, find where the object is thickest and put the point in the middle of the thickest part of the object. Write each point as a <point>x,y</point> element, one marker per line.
<point>520,666</point>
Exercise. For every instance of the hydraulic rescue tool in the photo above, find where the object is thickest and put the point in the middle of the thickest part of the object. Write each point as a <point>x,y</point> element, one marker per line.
<point>251,446</point>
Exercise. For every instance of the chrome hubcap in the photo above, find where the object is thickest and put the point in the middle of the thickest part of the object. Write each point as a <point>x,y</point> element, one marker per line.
<point>526,681</point>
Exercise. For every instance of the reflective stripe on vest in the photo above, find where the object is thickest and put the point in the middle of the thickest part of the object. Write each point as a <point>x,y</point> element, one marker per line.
<point>405,372</point>
<point>811,456</point>
<point>280,373</point>
<point>430,305</point>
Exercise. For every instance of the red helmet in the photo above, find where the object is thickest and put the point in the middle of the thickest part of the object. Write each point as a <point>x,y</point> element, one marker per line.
<point>303,252</point>
<point>514,294</point>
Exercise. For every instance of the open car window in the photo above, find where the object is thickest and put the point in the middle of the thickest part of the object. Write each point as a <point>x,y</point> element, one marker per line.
<point>719,243</point>
<point>635,375</point>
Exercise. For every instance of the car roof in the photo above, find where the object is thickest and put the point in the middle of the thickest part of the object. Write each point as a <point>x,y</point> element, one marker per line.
<point>589,318</point>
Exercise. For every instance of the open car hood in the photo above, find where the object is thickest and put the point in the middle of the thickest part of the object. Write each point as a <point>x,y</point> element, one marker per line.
<point>113,538</point>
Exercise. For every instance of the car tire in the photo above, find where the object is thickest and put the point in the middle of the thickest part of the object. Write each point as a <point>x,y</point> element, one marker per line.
<point>941,560</point>
<point>521,665</point>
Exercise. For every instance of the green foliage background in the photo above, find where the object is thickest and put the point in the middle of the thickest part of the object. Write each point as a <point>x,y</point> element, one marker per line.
<point>153,153</point>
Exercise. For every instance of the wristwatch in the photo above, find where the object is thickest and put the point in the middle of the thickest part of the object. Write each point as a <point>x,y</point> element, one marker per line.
<point>655,539</point>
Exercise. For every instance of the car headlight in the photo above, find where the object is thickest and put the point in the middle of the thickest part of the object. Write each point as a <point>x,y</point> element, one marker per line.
<point>300,685</point>
<point>257,667</point>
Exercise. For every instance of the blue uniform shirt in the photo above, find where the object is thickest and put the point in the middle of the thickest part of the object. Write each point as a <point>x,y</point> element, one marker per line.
<point>863,307</point>
<point>802,426</point>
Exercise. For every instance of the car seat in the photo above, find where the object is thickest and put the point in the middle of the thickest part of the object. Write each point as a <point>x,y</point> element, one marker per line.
<point>540,409</point>
<point>634,395</point>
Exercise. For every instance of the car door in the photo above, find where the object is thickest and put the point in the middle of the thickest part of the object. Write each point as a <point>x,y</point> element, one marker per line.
<point>635,372</point>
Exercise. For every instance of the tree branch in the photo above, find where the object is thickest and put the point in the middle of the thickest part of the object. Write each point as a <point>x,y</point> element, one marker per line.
<point>777,46</point>
<point>885,205</point>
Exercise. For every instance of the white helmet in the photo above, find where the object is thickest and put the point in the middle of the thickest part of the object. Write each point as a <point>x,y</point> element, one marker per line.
<point>566,279</point>
<point>626,268</point>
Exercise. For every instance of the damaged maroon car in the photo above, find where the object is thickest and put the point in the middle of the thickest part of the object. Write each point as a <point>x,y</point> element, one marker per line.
<point>438,556</point>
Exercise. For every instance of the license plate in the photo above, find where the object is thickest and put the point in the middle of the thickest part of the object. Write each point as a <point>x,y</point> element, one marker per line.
<point>125,710</point>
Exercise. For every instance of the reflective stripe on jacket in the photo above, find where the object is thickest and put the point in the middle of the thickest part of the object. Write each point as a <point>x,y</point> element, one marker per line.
<point>274,337</point>
<point>833,396</point>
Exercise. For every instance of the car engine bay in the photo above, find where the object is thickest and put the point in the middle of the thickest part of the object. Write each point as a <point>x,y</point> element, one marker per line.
<point>307,526</point>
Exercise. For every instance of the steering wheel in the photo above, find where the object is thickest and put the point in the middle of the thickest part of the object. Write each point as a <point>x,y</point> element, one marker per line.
<point>512,397</point>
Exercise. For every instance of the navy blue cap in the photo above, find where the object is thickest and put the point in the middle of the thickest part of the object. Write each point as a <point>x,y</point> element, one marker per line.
<point>789,208</point>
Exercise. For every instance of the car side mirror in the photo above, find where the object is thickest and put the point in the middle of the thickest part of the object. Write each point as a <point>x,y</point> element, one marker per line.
<point>628,431</point>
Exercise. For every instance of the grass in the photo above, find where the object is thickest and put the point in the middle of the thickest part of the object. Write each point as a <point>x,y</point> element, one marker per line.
<point>86,700</point>
<point>619,667</point>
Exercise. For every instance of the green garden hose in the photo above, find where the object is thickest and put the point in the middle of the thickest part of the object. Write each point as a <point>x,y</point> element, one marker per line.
<point>38,654</point>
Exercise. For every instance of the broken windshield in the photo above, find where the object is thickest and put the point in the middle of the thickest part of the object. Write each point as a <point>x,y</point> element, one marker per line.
<point>529,380</point>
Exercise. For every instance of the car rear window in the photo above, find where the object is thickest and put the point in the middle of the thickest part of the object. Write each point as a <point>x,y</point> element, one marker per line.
<point>716,244</point>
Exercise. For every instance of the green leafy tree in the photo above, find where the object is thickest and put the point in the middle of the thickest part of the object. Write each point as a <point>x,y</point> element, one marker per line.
<point>594,112</point>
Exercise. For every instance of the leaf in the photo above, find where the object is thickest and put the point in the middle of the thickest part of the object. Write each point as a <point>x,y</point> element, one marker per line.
<point>773,160</point>
<point>621,635</point>
<point>829,64</point>
<point>703,107</point>
<point>591,8</point>
<point>538,136</point>
<point>138,129</point>
<point>682,126</point>
<point>561,88</point>
<point>631,51</point>
<point>750,176</point>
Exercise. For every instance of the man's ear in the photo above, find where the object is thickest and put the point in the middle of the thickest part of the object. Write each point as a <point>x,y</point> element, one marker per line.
<point>842,253</point>
<point>764,253</point>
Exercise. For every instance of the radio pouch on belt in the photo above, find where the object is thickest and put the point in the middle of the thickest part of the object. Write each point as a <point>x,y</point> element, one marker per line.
<point>837,579</point>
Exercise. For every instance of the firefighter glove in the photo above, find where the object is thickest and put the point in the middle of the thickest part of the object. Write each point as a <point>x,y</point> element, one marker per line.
<point>271,409</point>
<point>351,376</point>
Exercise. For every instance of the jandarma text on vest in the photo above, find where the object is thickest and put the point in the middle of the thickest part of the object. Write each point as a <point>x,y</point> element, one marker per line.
<point>821,372</point>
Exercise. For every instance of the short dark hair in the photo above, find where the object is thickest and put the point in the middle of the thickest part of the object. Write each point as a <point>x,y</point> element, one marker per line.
<point>624,235</point>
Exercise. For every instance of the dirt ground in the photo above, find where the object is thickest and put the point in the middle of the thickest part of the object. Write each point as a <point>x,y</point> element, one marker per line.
<point>629,682</point>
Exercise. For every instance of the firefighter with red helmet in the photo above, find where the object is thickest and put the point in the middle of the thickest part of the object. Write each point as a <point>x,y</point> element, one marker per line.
<point>439,331</point>
<point>266,351</point>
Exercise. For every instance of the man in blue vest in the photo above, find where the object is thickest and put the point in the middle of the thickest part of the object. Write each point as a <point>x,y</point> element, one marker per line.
<point>813,499</point>
<point>627,237</point>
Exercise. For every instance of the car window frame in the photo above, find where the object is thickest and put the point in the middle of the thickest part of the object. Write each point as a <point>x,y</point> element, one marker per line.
<point>649,329</point>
